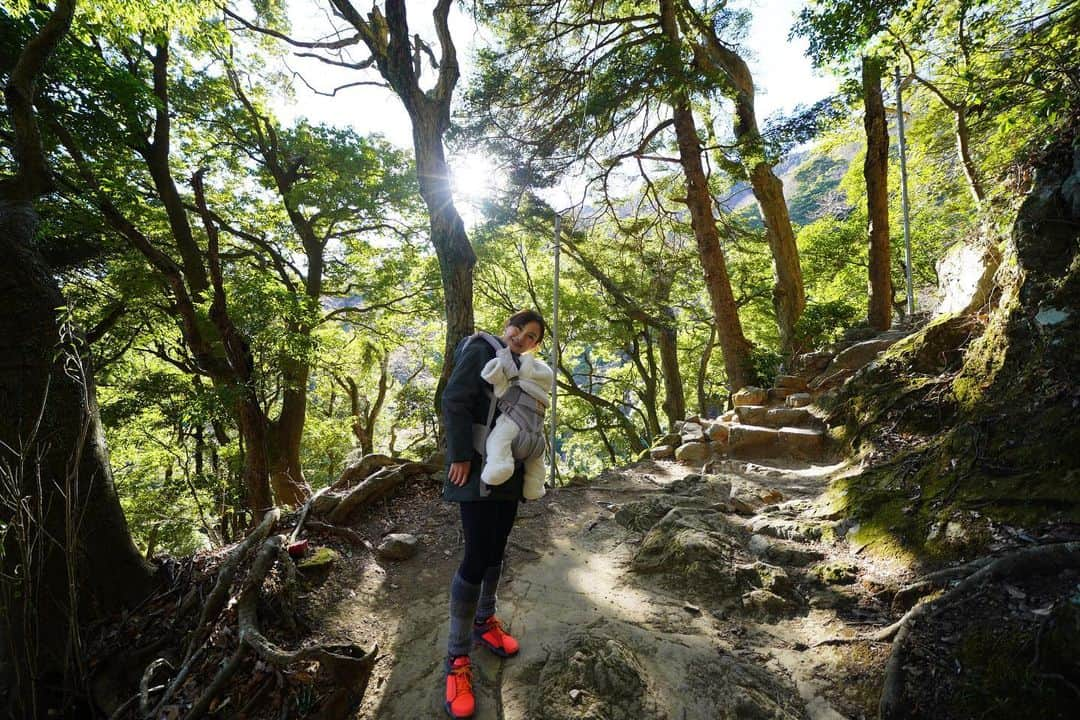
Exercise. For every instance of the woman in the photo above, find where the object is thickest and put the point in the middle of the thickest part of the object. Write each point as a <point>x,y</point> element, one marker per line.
<point>487,512</point>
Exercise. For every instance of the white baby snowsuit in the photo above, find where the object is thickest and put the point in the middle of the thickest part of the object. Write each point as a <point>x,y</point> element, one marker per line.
<point>533,377</point>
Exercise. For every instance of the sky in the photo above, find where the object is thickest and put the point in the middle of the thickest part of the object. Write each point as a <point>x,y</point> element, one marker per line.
<point>783,77</point>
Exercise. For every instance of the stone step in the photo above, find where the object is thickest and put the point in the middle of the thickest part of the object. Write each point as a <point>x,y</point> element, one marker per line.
<point>791,382</point>
<point>798,400</point>
<point>805,442</point>
<point>775,417</point>
<point>742,436</point>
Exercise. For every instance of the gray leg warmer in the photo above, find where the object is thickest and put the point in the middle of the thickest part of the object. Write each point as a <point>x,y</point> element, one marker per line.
<point>463,597</point>
<point>486,607</point>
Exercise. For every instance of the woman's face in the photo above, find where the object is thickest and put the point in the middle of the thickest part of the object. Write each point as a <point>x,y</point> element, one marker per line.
<point>522,340</point>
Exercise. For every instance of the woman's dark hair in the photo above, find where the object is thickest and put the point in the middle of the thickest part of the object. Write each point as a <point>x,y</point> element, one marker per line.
<point>523,317</point>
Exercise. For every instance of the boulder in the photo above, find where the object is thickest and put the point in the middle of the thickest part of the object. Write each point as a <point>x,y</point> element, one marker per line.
<point>316,567</point>
<point>641,515</point>
<point>861,353</point>
<point>593,675</point>
<point>836,573</point>
<point>397,546</point>
<point>966,277</point>
<point>813,363</point>
<point>692,547</point>
<point>745,501</point>
<point>674,439</point>
<point>750,395</point>
<point>708,487</point>
<point>693,452</point>
<point>786,529</point>
<point>771,496</point>
<point>692,432</point>
<point>662,452</point>
<point>767,605</point>
<point>717,431</point>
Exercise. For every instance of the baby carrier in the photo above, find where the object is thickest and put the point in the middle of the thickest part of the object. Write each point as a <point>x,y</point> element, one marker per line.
<point>526,411</point>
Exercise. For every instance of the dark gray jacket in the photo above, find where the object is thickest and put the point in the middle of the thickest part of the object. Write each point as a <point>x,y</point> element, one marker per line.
<point>465,402</point>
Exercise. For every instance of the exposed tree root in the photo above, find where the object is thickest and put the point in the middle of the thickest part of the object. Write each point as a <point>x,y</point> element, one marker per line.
<point>341,532</point>
<point>1037,560</point>
<point>907,596</point>
<point>347,668</point>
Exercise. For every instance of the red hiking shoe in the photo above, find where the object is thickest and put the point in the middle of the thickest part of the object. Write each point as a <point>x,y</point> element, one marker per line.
<point>460,701</point>
<point>491,635</point>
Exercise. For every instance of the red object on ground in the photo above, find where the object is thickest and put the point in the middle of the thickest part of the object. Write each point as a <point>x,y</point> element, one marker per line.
<point>298,548</point>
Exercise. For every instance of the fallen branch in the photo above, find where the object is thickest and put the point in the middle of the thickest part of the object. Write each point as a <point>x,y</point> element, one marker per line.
<point>378,484</point>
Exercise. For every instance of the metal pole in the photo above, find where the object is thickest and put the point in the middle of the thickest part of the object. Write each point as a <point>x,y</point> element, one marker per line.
<point>904,196</point>
<point>555,350</point>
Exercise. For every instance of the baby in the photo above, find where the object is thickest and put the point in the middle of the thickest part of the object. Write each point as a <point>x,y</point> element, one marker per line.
<point>522,386</point>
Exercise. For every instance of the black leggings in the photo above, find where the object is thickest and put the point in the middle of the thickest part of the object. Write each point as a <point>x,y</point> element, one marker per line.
<point>487,525</point>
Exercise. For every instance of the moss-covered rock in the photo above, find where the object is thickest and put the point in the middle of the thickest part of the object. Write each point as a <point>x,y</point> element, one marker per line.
<point>692,548</point>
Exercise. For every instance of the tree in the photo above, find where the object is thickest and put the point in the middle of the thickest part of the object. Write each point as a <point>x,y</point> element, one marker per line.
<point>876,172</point>
<point>724,66</point>
<point>569,82</point>
<point>67,554</point>
<point>399,59</point>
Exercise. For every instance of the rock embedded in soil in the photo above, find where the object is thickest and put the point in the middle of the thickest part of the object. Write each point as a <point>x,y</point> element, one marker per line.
<point>641,515</point>
<point>594,676</point>
<point>397,546</point>
<point>782,553</point>
<point>692,547</point>
<point>836,573</point>
<point>767,605</point>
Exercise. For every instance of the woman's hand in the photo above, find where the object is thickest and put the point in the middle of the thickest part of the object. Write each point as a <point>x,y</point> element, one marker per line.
<point>459,472</point>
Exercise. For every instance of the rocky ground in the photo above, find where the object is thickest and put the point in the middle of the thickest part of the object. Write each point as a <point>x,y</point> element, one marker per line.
<point>653,592</point>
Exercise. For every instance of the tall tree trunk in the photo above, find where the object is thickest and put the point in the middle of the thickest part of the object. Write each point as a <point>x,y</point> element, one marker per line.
<point>451,243</point>
<point>963,148</point>
<point>733,344</point>
<point>876,172</point>
<point>736,81</point>
<point>674,398</point>
<point>703,369</point>
<point>399,62</point>
<point>254,431</point>
<point>285,436</point>
<point>647,370</point>
<point>68,557</point>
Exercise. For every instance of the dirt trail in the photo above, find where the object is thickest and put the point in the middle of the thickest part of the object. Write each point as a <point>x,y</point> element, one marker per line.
<point>569,576</point>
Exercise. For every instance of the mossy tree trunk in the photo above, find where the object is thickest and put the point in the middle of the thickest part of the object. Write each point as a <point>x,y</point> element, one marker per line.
<point>876,172</point>
<point>67,554</point>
